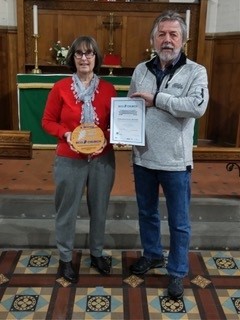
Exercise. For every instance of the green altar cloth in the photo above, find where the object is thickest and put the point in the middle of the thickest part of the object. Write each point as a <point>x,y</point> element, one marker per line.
<point>32,95</point>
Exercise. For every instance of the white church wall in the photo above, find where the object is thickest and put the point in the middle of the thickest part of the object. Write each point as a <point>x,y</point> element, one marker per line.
<point>223,16</point>
<point>8,13</point>
<point>228,16</point>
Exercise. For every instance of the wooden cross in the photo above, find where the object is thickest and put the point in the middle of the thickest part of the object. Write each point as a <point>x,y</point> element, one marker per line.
<point>111,25</point>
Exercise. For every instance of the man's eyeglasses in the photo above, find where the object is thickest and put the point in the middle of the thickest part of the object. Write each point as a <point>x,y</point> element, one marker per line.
<point>89,54</point>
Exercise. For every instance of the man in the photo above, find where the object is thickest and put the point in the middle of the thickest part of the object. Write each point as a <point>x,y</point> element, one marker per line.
<point>175,90</point>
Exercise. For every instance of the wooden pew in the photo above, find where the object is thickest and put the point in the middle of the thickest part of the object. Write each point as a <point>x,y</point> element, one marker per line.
<point>15,144</point>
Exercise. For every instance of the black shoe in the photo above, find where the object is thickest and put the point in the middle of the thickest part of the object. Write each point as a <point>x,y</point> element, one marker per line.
<point>67,272</point>
<point>144,264</point>
<point>175,287</point>
<point>102,264</point>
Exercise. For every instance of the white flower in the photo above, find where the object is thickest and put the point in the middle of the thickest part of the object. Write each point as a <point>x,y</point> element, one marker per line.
<point>64,52</point>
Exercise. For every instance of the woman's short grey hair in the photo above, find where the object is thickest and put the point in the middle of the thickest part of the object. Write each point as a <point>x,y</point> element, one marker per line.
<point>169,16</point>
<point>88,43</point>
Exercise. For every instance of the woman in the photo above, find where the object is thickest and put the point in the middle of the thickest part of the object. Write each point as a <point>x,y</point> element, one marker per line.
<point>81,98</point>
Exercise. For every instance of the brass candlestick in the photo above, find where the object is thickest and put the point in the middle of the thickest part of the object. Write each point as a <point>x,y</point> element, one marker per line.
<point>36,70</point>
<point>186,46</point>
<point>150,52</point>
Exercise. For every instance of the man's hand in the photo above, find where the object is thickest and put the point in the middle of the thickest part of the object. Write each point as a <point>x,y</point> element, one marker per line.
<point>148,97</point>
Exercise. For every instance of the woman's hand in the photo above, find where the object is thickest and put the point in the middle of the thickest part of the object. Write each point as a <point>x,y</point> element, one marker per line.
<point>101,149</point>
<point>68,137</point>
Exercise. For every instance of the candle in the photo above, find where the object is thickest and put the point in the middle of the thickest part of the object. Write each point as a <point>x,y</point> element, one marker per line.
<point>188,22</point>
<point>35,19</point>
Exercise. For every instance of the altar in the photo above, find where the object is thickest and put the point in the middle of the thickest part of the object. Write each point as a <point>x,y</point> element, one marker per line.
<point>32,95</point>
<point>33,90</point>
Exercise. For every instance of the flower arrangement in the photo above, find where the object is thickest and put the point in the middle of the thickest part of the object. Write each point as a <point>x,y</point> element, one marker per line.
<point>60,52</point>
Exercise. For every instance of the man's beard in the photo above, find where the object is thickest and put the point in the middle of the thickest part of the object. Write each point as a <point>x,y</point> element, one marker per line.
<point>168,56</point>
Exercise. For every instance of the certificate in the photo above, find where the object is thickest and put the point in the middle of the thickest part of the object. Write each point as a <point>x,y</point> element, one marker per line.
<point>127,124</point>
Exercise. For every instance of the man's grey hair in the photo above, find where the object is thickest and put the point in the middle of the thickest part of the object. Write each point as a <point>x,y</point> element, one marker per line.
<point>169,16</point>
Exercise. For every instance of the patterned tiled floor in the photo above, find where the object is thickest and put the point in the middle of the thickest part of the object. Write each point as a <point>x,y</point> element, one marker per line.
<point>31,289</point>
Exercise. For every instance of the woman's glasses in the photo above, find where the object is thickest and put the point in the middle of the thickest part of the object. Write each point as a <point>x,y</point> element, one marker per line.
<point>89,54</point>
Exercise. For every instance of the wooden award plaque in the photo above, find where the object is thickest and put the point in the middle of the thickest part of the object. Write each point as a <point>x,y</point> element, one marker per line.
<point>87,138</point>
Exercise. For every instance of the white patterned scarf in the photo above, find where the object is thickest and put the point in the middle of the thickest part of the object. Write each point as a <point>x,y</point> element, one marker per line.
<point>86,95</point>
